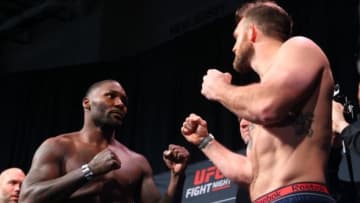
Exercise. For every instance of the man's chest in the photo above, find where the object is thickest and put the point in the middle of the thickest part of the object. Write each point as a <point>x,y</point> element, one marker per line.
<point>128,175</point>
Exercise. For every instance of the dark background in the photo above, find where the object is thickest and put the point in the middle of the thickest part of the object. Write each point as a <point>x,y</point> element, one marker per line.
<point>50,58</point>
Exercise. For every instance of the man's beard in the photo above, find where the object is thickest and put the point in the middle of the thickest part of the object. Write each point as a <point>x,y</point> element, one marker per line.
<point>103,118</point>
<point>108,123</point>
<point>243,57</point>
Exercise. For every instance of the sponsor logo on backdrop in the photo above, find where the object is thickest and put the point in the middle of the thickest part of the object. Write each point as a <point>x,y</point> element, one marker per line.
<point>207,180</point>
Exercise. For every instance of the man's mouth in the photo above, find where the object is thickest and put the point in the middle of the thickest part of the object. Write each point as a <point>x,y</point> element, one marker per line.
<point>14,197</point>
<point>117,114</point>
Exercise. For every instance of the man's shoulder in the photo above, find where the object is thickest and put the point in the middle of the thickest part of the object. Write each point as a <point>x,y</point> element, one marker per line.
<point>300,42</point>
<point>300,39</point>
<point>124,149</point>
<point>60,141</point>
<point>129,155</point>
<point>299,48</point>
<point>54,148</point>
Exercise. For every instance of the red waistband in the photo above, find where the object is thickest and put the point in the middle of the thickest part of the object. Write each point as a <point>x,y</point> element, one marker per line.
<point>290,189</point>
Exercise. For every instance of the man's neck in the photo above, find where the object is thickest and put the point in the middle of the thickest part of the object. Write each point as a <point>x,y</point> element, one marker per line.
<point>97,135</point>
<point>265,51</point>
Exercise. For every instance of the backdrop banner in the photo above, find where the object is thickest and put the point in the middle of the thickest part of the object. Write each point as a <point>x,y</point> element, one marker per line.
<point>205,183</point>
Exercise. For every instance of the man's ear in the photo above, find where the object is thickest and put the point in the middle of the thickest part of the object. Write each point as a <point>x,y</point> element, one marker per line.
<point>86,103</point>
<point>252,33</point>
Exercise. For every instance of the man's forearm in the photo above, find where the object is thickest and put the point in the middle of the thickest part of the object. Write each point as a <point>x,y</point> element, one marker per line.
<point>232,165</point>
<point>255,103</point>
<point>55,190</point>
<point>174,190</point>
<point>240,101</point>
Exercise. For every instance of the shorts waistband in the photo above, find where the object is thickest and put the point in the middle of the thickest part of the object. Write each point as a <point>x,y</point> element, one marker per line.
<point>293,188</point>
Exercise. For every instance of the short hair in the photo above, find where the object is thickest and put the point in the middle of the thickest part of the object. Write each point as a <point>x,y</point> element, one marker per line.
<point>96,85</point>
<point>6,171</point>
<point>270,18</point>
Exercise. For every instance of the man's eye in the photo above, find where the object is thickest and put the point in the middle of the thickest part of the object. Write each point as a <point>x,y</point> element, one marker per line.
<point>124,100</point>
<point>110,96</point>
<point>13,182</point>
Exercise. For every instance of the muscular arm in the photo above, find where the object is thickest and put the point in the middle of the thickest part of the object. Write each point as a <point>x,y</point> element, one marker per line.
<point>234,166</point>
<point>291,78</point>
<point>149,191</point>
<point>44,182</point>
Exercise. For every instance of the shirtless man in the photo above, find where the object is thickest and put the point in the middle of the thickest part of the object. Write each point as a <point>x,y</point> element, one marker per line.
<point>10,184</point>
<point>91,166</point>
<point>289,110</point>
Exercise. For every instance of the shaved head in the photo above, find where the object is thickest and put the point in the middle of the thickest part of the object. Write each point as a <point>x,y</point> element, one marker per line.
<point>10,184</point>
<point>98,84</point>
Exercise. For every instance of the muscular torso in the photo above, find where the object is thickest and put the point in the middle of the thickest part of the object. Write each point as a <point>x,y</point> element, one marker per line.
<point>296,150</point>
<point>118,186</point>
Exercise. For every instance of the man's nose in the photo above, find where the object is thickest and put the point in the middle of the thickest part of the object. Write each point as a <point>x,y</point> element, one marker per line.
<point>235,46</point>
<point>119,102</point>
<point>17,187</point>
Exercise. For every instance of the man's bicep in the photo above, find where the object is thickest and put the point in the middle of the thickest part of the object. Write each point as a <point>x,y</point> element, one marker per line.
<point>45,164</point>
<point>299,65</point>
<point>295,75</point>
<point>149,191</point>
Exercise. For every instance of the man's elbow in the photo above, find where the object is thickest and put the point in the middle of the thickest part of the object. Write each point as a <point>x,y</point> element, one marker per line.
<point>27,195</point>
<point>24,197</point>
<point>270,116</point>
<point>268,120</point>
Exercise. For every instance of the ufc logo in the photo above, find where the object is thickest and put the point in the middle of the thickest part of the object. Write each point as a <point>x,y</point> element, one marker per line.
<point>204,175</point>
